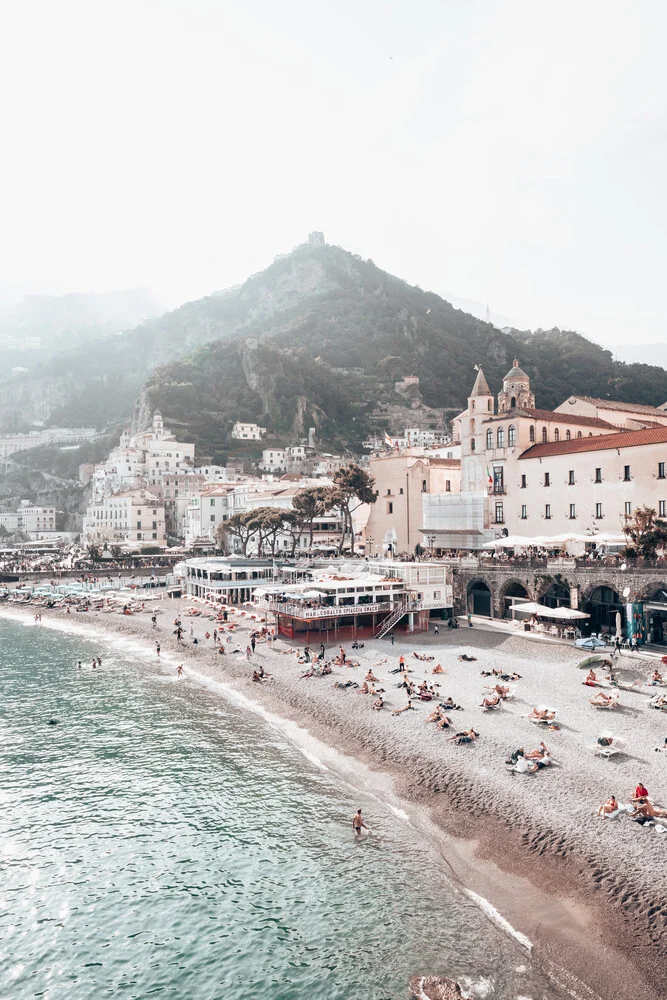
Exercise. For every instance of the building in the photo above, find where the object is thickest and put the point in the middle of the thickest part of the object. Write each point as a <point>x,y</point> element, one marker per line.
<point>536,473</point>
<point>29,520</point>
<point>11,443</point>
<point>274,460</point>
<point>370,601</point>
<point>316,239</point>
<point>395,520</point>
<point>229,580</point>
<point>130,518</point>
<point>247,432</point>
<point>212,506</point>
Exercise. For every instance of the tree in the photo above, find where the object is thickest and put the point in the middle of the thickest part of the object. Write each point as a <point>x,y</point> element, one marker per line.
<point>645,532</point>
<point>352,488</point>
<point>238,526</point>
<point>293,526</point>
<point>308,504</point>
<point>267,522</point>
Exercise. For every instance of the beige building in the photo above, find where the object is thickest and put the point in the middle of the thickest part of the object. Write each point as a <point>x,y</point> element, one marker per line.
<point>29,520</point>
<point>402,480</point>
<point>247,432</point>
<point>129,518</point>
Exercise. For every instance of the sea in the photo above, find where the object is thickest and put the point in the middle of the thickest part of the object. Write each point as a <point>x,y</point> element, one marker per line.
<point>159,839</point>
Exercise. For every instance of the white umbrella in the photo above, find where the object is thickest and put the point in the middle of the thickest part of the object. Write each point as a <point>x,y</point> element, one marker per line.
<point>618,624</point>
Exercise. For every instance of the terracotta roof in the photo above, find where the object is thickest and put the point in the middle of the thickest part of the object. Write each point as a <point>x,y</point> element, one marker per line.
<point>552,417</point>
<point>600,442</point>
<point>615,404</point>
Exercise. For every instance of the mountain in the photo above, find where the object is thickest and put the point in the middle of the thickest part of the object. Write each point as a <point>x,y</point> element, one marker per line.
<point>318,339</point>
<point>655,354</point>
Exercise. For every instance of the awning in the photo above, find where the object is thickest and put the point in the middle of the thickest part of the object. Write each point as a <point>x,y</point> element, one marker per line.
<point>563,614</point>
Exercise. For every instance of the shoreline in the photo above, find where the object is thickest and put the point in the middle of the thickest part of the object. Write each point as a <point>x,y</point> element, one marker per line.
<point>543,880</point>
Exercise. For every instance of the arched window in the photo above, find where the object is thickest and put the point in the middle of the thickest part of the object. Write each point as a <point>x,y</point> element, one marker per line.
<point>532,433</point>
<point>556,435</point>
<point>472,404</point>
<point>500,437</point>
<point>488,404</point>
<point>578,434</point>
<point>472,444</point>
<point>513,402</point>
<point>544,434</point>
<point>511,436</point>
<point>472,425</point>
<point>567,435</point>
<point>489,438</point>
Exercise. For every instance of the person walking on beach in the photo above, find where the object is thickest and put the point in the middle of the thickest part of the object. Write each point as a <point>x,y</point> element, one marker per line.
<point>252,641</point>
<point>436,630</point>
<point>357,823</point>
<point>154,620</point>
<point>393,638</point>
<point>248,652</point>
<point>157,647</point>
<point>179,670</point>
<point>469,617</point>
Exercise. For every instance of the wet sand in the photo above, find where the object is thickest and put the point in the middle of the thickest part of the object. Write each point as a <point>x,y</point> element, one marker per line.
<point>591,894</point>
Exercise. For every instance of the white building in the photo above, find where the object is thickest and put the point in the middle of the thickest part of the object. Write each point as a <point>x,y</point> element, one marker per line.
<point>129,518</point>
<point>274,460</point>
<point>11,443</point>
<point>247,432</point>
<point>229,580</point>
<point>29,520</point>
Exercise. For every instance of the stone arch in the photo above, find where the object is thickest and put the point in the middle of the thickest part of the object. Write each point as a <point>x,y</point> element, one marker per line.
<point>652,587</point>
<point>514,587</point>
<point>479,597</point>
<point>602,601</point>
<point>553,593</point>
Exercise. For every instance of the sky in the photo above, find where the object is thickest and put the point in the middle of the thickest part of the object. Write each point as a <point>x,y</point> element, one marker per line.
<point>500,151</point>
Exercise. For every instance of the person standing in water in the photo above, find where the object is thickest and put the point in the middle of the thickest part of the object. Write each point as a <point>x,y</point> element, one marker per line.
<point>157,647</point>
<point>179,670</point>
<point>357,823</point>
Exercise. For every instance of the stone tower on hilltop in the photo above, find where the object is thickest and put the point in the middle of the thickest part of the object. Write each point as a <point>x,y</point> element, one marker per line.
<point>516,394</point>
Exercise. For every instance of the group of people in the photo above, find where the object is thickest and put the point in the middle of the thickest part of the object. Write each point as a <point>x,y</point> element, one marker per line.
<point>640,808</point>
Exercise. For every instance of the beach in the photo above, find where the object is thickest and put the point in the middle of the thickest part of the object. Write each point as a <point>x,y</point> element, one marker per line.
<point>588,893</point>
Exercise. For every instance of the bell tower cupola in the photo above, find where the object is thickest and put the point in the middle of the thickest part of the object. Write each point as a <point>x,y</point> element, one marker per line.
<point>516,394</point>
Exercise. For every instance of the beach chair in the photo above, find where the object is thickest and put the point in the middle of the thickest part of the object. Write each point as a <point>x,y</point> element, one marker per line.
<point>544,722</point>
<point>617,745</point>
<point>613,703</point>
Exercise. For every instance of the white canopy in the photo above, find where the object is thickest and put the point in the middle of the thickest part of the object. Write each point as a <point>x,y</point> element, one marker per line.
<point>511,542</point>
<point>564,614</point>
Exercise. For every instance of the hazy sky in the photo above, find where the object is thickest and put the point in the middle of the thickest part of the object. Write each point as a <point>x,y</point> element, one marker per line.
<point>513,152</point>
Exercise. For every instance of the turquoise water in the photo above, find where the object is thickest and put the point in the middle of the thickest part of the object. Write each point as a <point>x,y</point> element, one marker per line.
<point>159,842</point>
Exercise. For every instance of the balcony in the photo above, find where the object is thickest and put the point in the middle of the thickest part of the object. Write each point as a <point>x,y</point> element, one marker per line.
<point>499,491</point>
<point>296,610</point>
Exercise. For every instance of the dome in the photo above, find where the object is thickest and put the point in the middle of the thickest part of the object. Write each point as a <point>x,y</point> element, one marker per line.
<point>515,371</point>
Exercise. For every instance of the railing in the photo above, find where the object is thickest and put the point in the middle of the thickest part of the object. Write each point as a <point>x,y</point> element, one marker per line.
<point>329,611</point>
<point>392,619</point>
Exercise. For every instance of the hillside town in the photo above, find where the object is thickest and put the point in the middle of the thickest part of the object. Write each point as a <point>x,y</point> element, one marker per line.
<point>513,485</point>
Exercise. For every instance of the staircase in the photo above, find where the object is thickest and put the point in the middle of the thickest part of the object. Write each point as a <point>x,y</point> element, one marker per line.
<point>392,619</point>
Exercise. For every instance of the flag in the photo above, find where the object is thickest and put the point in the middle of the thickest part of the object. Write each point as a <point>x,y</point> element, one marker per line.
<point>388,441</point>
<point>489,476</point>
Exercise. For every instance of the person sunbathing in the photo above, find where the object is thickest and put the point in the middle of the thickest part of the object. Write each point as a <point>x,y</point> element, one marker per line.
<point>378,704</point>
<point>656,677</point>
<point>468,736</point>
<point>466,658</point>
<point>660,702</point>
<point>501,691</point>
<point>435,714</point>
<point>591,678</point>
<point>602,700</point>
<point>437,669</point>
<point>608,807</point>
<point>364,689</point>
<point>641,793</point>
<point>408,708</point>
<point>444,722</point>
<point>450,703</point>
<point>646,810</point>
<point>491,702</point>
<point>540,756</point>
<point>370,676</point>
<point>542,715</point>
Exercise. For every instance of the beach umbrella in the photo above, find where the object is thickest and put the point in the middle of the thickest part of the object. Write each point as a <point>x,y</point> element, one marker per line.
<point>592,642</point>
<point>618,624</point>
<point>590,661</point>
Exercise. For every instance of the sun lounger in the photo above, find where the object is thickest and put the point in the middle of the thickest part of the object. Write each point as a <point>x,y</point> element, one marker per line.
<point>544,722</point>
<point>612,703</point>
<point>617,745</point>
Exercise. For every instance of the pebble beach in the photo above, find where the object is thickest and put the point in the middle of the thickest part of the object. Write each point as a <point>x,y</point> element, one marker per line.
<point>519,840</point>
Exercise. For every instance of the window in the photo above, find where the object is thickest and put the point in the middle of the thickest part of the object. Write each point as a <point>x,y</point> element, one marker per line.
<point>390,508</point>
<point>578,434</point>
<point>448,486</point>
<point>138,513</point>
<point>567,435</point>
<point>661,508</point>
<point>436,595</point>
<point>513,402</point>
<point>388,493</point>
<point>532,434</point>
<point>523,481</point>
<point>155,524</point>
<point>472,445</point>
<point>488,404</point>
<point>423,486</point>
<point>511,436</point>
<point>138,524</point>
<point>498,479</point>
<point>573,511</point>
<point>524,512</point>
<point>626,474</point>
<point>489,438</point>
<point>570,478</point>
<point>499,514</point>
<point>556,435</point>
<point>628,508</point>
<point>472,404</point>
<point>661,470</point>
<point>598,511</point>
<point>400,490</point>
<point>598,476</point>
<point>547,511</point>
<point>547,479</point>
<point>500,437</point>
<point>545,436</point>
<point>212,519</point>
